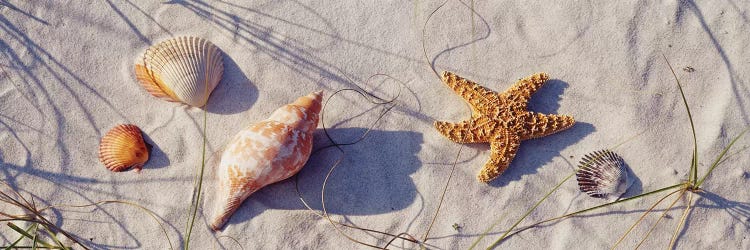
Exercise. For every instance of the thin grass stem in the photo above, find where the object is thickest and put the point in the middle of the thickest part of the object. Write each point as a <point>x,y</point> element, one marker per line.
<point>442,196</point>
<point>530,210</point>
<point>26,234</point>
<point>693,176</point>
<point>193,210</point>
<point>644,216</point>
<point>660,218</point>
<point>19,238</point>
<point>595,208</point>
<point>152,214</point>
<point>683,218</point>
<point>718,159</point>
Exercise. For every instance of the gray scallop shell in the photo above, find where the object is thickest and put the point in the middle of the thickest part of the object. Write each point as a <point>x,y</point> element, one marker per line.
<point>602,174</point>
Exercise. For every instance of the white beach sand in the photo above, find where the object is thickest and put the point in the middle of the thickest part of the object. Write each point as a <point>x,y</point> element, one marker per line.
<point>68,78</point>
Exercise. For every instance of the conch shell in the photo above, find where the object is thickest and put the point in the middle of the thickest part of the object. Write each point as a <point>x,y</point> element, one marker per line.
<point>182,69</point>
<point>263,153</point>
<point>122,148</point>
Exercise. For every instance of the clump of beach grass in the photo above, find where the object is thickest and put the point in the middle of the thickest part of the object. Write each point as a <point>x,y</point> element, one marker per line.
<point>684,189</point>
<point>42,229</point>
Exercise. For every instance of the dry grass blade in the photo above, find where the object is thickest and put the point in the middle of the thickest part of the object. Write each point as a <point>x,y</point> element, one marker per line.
<point>31,214</point>
<point>334,144</point>
<point>442,196</point>
<point>683,218</point>
<point>658,220</point>
<point>510,232</point>
<point>682,191</point>
<point>152,214</point>
<point>568,215</point>
<point>233,240</point>
<point>529,211</point>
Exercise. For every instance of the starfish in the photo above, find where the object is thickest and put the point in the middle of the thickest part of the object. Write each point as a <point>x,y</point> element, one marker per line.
<point>500,119</point>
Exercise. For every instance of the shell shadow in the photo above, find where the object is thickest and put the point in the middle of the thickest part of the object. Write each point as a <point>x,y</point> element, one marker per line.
<point>156,157</point>
<point>365,182</point>
<point>636,188</point>
<point>235,93</point>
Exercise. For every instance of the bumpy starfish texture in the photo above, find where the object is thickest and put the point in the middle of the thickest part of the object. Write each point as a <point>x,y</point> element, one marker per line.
<point>500,119</point>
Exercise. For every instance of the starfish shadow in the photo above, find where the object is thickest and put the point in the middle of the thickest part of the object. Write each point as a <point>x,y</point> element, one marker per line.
<point>535,153</point>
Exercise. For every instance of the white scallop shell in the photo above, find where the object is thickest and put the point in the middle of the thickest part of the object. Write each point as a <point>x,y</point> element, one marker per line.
<point>602,174</point>
<point>181,69</point>
<point>264,153</point>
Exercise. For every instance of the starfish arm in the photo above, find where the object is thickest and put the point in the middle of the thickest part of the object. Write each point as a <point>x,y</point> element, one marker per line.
<point>463,132</point>
<point>538,125</point>
<point>480,98</point>
<point>524,88</point>
<point>503,148</point>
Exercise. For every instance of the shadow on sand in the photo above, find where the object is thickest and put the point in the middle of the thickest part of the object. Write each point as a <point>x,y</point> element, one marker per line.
<point>373,177</point>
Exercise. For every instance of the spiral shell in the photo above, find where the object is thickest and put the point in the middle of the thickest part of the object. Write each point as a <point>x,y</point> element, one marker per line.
<point>182,69</point>
<point>602,174</point>
<point>122,148</point>
<point>263,153</point>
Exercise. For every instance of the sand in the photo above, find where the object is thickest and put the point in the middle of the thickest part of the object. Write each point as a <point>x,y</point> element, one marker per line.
<point>68,78</point>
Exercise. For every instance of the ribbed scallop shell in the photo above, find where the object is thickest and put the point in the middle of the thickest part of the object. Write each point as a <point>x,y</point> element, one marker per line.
<point>122,148</point>
<point>602,174</point>
<point>263,153</point>
<point>182,69</point>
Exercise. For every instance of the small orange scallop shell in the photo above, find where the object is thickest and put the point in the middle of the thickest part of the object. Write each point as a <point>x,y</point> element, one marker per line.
<point>181,69</point>
<point>122,148</point>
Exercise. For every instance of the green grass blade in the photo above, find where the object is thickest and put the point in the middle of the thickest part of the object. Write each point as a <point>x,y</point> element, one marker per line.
<point>28,235</point>
<point>193,210</point>
<point>54,238</point>
<point>693,176</point>
<point>531,210</point>
<point>35,241</point>
<point>718,159</point>
<point>11,246</point>
<point>486,231</point>
<point>595,207</point>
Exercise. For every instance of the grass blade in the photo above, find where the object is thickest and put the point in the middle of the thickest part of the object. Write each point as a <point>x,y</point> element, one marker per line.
<point>594,208</point>
<point>660,218</point>
<point>11,246</point>
<point>693,176</point>
<point>497,221</point>
<point>28,235</point>
<point>530,210</point>
<point>442,196</point>
<point>683,219</point>
<point>644,216</point>
<point>193,210</point>
<point>718,159</point>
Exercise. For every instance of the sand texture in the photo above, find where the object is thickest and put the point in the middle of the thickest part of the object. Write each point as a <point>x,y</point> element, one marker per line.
<point>68,77</point>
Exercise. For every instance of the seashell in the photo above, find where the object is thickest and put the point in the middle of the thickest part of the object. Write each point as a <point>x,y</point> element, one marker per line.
<point>602,174</point>
<point>182,69</point>
<point>263,153</point>
<point>122,148</point>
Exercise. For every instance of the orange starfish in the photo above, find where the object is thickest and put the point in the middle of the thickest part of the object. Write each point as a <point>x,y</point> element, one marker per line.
<point>500,119</point>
